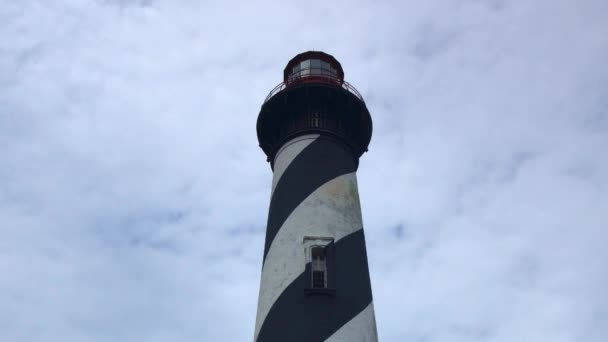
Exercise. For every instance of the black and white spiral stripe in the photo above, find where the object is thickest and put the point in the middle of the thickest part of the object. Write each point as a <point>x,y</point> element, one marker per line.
<point>314,194</point>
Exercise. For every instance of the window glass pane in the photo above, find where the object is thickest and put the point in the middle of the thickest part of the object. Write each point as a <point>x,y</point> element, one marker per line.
<point>319,267</point>
<point>318,279</point>
<point>305,68</point>
<point>295,71</point>
<point>315,67</point>
<point>324,65</point>
<point>318,251</point>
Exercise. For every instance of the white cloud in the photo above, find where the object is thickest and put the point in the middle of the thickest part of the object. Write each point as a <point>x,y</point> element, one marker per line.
<point>133,196</point>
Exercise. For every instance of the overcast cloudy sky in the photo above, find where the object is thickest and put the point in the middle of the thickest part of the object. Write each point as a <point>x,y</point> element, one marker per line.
<point>134,197</point>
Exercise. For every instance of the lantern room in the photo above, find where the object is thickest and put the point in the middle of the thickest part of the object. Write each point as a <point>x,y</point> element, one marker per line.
<point>313,66</point>
<point>314,98</point>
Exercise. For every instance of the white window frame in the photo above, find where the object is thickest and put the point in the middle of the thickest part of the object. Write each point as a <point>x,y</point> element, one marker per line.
<point>311,242</point>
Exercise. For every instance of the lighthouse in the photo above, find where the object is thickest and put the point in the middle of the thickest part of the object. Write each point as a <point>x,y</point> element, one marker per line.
<point>315,285</point>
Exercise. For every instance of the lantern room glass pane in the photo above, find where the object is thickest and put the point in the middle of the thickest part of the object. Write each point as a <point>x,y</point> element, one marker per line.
<point>324,67</point>
<point>315,67</point>
<point>295,72</point>
<point>305,68</point>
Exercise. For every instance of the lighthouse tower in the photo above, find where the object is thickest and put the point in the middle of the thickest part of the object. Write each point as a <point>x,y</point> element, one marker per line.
<point>315,283</point>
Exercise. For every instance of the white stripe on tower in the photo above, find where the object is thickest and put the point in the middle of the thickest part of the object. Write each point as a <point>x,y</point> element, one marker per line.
<point>285,259</point>
<point>287,153</point>
<point>325,179</point>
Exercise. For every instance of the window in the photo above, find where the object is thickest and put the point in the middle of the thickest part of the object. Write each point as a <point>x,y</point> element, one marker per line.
<point>312,67</point>
<point>325,69</point>
<point>318,267</point>
<point>296,71</point>
<point>315,67</point>
<point>305,67</point>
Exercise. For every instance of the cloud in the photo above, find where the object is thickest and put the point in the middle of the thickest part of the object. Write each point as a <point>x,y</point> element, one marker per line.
<point>133,197</point>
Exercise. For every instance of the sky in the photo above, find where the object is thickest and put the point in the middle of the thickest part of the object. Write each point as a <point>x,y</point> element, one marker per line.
<point>134,196</point>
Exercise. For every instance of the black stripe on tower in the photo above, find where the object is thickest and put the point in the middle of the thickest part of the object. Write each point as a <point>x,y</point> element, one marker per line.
<point>320,162</point>
<point>294,317</point>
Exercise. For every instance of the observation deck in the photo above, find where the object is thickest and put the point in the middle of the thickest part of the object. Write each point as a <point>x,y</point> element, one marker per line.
<point>312,67</point>
<point>313,98</point>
